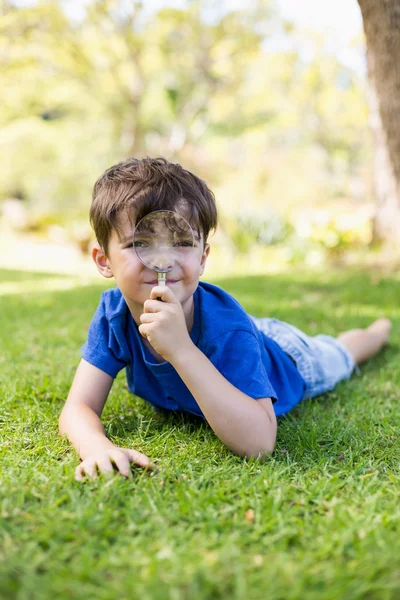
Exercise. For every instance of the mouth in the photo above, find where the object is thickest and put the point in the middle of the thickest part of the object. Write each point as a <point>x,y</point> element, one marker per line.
<point>155,282</point>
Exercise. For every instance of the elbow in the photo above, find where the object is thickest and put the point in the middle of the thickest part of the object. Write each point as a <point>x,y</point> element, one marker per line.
<point>262,448</point>
<point>262,453</point>
<point>251,449</point>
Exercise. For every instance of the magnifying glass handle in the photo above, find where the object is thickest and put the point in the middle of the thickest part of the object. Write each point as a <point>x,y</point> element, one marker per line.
<point>162,280</point>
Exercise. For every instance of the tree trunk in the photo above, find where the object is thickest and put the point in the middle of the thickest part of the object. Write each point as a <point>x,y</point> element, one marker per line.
<point>381,20</point>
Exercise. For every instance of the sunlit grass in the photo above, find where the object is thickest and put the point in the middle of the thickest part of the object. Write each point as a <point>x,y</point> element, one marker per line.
<point>320,520</point>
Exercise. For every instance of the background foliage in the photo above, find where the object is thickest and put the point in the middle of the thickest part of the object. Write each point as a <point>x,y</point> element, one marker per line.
<point>257,106</point>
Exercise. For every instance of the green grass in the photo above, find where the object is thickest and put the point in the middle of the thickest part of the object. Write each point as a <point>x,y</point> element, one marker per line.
<point>326,505</point>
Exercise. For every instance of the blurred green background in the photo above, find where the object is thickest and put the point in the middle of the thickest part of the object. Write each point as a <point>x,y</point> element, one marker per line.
<point>268,107</point>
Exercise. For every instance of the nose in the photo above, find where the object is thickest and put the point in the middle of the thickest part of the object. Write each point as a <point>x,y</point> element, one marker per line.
<point>161,265</point>
<point>162,261</point>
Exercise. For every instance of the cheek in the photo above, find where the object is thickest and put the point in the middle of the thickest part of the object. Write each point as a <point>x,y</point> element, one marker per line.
<point>129,271</point>
<point>192,272</point>
<point>194,262</point>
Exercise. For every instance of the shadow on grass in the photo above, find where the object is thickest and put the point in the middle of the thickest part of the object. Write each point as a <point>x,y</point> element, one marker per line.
<point>155,420</point>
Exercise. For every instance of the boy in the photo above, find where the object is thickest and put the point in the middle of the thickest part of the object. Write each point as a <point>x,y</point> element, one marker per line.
<point>188,345</point>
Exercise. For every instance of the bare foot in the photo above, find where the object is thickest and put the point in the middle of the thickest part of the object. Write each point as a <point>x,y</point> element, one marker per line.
<point>383,327</point>
<point>365,343</point>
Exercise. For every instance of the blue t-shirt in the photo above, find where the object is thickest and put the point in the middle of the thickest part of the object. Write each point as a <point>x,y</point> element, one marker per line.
<point>246,357</point>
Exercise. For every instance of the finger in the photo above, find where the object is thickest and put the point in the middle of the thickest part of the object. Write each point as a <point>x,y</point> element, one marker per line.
<point>153,306</point>
<point>146,318</point>
<point>122,463</point>
<point>90,470</point>
<point>82,470</point>
<point>79,472</point>
<point>104,465</point>
<point>164,292</point>
<point>144,330</point>
<point>139,459</point>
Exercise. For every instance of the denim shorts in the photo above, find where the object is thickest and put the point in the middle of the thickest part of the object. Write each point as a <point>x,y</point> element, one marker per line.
<point>322,360</point>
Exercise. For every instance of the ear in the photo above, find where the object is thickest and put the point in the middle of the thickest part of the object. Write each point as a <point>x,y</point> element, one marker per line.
<point>102,262</point>
<point>204,257</point>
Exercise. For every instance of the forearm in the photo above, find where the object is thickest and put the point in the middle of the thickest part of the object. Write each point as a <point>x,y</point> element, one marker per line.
<point>83,428</point>
<point>238,420</point>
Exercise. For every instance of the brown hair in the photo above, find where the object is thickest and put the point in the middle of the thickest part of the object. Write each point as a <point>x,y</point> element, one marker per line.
<point>146,185</point>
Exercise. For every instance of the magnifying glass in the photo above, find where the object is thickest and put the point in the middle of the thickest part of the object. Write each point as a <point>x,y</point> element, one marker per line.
<point>163,240</point>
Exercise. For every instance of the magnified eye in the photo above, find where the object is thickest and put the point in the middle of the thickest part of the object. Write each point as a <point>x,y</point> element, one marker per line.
<point>183,244</point>
<point>139,244</point>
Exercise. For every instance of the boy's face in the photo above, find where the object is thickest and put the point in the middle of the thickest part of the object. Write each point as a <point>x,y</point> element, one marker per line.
<point>135,280</point>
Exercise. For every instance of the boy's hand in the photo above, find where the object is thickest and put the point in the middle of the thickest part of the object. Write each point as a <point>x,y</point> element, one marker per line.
<point>164,324</point>
<point>103,461</point>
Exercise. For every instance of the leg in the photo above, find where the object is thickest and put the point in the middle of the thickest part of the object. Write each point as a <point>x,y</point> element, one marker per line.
<point>365,343</point>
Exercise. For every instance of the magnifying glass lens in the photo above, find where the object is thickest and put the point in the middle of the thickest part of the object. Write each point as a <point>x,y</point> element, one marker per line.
<point>163,240</point>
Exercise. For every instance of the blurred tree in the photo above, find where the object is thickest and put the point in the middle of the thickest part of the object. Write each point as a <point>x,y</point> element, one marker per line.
<point>216,66</point>
<point>229,93</point>
<point>381,20</point>
<point>122,83</point>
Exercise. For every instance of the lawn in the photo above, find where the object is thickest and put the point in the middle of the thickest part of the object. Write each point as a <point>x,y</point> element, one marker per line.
<point>319,520</point>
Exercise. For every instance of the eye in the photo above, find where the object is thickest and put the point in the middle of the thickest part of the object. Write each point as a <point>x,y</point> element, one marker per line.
<point>139,244</point>
<point>183,245</point>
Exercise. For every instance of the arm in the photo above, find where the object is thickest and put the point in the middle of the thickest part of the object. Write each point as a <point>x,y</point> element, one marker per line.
<point>80,417</point>
<point>80,421</point>
<point>246,426</point>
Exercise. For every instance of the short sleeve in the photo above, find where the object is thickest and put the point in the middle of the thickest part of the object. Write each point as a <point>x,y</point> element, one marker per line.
<point>106,347</point>
<point>238,357</point>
